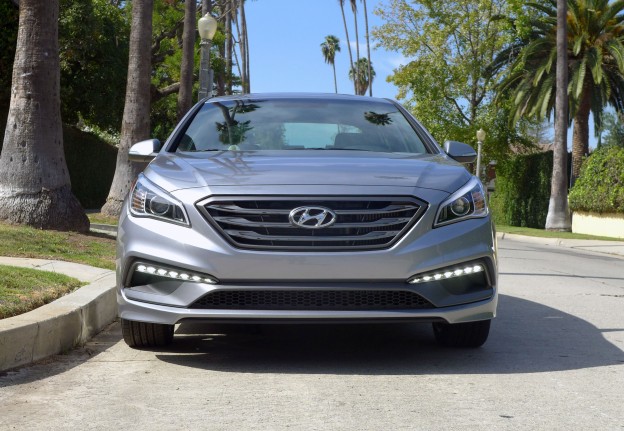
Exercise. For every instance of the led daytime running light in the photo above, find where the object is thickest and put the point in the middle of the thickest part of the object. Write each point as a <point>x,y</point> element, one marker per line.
<point>170,273</point>
<point>445,274</point>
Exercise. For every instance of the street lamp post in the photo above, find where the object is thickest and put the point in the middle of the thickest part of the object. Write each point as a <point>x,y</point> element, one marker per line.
<point>480,139</point>
<point>207,27</point>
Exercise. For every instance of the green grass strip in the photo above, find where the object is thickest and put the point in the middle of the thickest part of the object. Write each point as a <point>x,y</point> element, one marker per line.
<point>548,233</point>
<point>94,250</point>
<point>24,289</point>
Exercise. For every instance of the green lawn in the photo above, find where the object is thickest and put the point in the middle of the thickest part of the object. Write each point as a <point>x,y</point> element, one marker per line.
<point>24,289</point>
<point>548,234</point>
<point>92,249</point>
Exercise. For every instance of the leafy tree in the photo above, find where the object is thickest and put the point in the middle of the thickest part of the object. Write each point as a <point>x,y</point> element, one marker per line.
<point>135,126</point>
<point>93,42</point>
<point>595,59</point>
<point>448,46</point>
<point>613,129</point>
<point>359,75</point>
<point>35,187</point>
<point>93,51</point>
<point>329,48</point>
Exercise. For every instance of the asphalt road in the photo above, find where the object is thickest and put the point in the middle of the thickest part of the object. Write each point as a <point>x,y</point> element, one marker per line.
<point>554,361</point>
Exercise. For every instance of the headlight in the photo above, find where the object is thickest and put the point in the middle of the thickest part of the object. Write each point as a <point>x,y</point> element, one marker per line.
<point>467,202</point>
<point>149,200</point>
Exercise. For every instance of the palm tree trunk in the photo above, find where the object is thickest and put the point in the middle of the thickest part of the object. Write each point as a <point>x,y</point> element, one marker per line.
<point>580,135</point>
<point>135,125</point>
<point>558,217</point>
<point>206,7</point>
<point>185,94</point>
<point>370,81</point>
<point>35,188</point>
<point>335,81</point>
<point>242,70</point>
<point>228,47</point>
<point>247,89</point>
<point>359,89</point>
<point>344,21</point>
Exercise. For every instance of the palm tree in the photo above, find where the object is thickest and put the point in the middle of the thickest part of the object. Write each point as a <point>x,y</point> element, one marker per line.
<point>344,21</point>
<point>359,75</point>
<point>370,87</point>
<point>185,94</point>
<point>595,59</point>
<point>357,41</point>
<point>558,216</point>
<point>135,125</point>
<point>35,188</point>
<point>329,48</point>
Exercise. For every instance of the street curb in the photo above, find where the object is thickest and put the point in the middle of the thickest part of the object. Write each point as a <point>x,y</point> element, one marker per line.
<point>533,239</point>
<point>106,229</point>
<point>62,324</point>
<point>611,248</point>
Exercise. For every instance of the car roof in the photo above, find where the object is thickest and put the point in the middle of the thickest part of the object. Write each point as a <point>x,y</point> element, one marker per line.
<point>294,96</point>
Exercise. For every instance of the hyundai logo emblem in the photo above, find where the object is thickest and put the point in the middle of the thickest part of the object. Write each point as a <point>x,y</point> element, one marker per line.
<point>312,217</point>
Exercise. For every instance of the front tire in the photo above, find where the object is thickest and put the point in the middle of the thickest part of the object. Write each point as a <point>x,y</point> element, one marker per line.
<point>467,335</point>
<point>141,334</point>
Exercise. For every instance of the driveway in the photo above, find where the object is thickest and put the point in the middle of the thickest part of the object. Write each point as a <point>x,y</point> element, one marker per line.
<point>554,360</point>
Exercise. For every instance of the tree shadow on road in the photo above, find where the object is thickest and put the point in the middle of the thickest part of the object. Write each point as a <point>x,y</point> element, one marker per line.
<point>527,337</point>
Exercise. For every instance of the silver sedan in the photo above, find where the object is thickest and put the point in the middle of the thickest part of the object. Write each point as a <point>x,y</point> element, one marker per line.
<point>305,208</point>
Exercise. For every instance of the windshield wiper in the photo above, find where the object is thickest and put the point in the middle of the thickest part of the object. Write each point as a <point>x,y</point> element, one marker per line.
<point>350,149</point>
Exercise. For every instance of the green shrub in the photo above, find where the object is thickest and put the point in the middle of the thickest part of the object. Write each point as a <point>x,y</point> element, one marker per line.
<point>523,190</point>
<point>91,164</point>
<point>600,186</point>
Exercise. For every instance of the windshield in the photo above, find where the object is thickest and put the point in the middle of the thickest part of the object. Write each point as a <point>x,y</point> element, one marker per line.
<point>300,124</point>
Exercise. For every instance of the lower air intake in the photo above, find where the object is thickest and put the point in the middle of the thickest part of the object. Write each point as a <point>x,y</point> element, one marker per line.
<point>344,300</point>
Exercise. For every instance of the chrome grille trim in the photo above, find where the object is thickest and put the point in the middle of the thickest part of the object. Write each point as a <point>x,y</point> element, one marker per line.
<point>262,223</point>
<point>236,221</point>
<point>259,237</point>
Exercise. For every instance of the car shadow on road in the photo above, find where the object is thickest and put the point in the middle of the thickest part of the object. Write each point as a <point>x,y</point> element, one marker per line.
<point>527,337</point>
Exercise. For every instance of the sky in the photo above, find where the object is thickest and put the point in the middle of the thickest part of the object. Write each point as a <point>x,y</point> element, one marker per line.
<point>285,53</point>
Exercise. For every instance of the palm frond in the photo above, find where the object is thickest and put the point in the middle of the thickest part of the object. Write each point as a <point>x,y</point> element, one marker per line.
<point>616,49</point>
<point>594,63</point>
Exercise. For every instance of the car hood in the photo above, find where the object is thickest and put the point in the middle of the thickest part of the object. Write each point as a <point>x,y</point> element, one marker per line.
<point>174,171</point>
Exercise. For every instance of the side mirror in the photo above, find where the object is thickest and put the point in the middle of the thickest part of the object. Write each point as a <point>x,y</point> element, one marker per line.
<point>463,153</point>
<point>144,151</point>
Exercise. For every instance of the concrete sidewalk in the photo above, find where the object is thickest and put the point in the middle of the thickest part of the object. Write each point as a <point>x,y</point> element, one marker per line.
<point>74,318</point>
<point>62,324</point>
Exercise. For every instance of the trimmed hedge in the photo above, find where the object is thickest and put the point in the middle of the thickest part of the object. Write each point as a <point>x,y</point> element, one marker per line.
<point>91,164</point>
<point>600,185</point>
<point>523,190</point>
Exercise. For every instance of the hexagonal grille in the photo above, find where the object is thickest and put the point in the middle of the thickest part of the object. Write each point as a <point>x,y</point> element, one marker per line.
<point>360,224</point>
